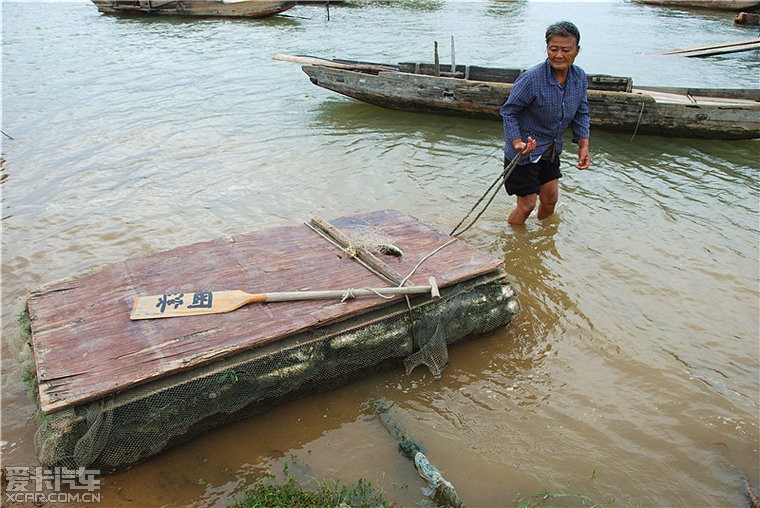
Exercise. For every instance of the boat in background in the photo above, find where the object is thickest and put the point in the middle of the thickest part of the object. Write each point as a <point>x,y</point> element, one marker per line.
<point>479,92</point>
<point>747,18</point>
<point>717,5</point>
<point>205,8</point>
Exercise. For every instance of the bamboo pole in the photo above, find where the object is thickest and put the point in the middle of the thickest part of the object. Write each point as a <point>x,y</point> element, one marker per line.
<point>361,254</point>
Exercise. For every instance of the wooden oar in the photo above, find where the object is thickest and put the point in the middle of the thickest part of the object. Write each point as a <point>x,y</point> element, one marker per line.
<point>219,302</point>
<point>310,60</point>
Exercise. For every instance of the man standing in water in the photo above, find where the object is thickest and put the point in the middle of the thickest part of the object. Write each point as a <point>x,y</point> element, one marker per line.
<point>545,100</point>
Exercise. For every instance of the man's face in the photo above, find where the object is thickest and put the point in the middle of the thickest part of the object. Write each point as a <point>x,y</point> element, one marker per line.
<point>562,52</point>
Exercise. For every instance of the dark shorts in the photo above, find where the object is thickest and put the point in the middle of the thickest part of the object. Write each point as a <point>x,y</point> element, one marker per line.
<point>528,179</point>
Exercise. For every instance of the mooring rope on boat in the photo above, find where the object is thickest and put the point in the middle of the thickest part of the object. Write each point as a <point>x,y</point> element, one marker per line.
<point>638,122</point>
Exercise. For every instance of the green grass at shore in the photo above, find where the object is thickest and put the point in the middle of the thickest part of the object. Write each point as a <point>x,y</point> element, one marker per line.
<point>291,495</point>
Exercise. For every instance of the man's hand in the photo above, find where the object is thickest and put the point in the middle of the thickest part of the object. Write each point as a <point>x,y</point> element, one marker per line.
<point>522,147</point>
<point>584,157</point>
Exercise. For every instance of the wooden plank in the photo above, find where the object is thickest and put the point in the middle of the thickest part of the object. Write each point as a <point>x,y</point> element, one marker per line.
<point>716,49</point>
<point>86,347</point>
<point>686,98</point>
<point>609,83</point>
<point>356,66</point>
<point>478,73</point>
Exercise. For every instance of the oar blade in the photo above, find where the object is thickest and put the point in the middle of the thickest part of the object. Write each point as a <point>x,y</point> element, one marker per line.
<point>190,304</point>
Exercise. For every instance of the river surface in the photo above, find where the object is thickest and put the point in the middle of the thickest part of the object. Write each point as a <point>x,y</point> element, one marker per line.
<point>631,375</point>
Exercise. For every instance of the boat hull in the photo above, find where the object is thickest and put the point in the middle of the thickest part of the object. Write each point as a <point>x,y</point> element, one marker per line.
<point>718,5</point>
<point>728,114</point>
<point>203,8</point>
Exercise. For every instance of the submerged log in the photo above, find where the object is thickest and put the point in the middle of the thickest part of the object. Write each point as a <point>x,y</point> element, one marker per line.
<point>440,489</point>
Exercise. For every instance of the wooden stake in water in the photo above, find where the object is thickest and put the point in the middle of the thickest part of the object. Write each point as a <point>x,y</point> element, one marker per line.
<point>437,66</point>
<point>453,60</point>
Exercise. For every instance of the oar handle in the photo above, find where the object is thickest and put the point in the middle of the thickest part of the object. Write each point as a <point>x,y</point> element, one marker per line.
<point>218,302</point>
<point>291,296</point>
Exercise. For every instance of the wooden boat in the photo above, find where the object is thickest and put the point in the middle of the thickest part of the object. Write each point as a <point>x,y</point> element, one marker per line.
<point>205,8</point>
<point>113,391</point>
<point>718,5</point>
<point>479,92</point>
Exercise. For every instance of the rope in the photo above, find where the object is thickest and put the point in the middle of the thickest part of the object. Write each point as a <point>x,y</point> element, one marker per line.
<point>349,294</point>
<point>638,122</point>
<point>503,176</point>
<point>425,259</point>
<point>454,233</point>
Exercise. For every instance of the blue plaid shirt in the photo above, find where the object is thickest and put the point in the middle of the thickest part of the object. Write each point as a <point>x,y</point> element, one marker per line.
<point>540,107</point>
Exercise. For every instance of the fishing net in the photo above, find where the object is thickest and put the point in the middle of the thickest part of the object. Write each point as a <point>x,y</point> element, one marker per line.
<point>373,239</point>
<point>128,427</point>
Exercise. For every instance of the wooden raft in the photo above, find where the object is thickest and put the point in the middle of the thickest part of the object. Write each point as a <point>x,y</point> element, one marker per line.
<point>86,347</point>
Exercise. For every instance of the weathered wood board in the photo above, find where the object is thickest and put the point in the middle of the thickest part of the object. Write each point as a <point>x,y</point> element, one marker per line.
<point>716,49</point>
<point>86,346</point>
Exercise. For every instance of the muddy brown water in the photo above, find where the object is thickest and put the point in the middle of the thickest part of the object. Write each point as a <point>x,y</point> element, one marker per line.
<point>631,375</point>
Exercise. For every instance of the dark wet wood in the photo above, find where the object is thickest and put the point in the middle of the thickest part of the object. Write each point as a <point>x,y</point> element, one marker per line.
<point>86,347</point>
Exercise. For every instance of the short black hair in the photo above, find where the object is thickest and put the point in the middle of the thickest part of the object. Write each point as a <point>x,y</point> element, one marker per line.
<point>564,29</point>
